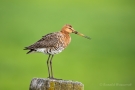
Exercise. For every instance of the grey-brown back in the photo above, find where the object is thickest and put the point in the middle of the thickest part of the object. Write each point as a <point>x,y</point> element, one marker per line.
<point>49,41</point>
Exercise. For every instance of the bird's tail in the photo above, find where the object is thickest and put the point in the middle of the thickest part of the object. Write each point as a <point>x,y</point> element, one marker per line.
<point>30,50</point>
<point>25,48</point>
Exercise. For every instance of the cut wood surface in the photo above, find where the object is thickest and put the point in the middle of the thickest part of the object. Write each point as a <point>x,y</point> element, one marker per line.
<point>55,84</point>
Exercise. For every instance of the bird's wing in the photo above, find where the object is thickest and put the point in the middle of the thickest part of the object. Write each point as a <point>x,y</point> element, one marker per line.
<point>49,40</point>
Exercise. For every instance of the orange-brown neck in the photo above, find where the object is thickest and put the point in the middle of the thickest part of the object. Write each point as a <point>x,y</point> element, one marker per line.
<point>64,31</point>
<point>66,38</point>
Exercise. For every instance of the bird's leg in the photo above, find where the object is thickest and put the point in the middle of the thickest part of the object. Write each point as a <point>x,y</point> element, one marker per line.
<point>51,66</point>
<point>51,57</point>
<point>48,65</point>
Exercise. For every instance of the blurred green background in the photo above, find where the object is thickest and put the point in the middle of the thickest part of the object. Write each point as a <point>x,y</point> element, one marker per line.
<point>106,62</point>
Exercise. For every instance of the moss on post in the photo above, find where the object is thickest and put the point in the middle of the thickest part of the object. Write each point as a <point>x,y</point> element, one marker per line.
<point>54,84</point>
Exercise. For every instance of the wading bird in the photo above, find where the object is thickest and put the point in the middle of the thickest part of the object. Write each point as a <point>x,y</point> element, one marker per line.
<point>53,43</point>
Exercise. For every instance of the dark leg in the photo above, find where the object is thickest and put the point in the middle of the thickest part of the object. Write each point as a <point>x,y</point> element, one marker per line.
<point>51,57</point>
<point>51,66</point>
<point>48,65</point>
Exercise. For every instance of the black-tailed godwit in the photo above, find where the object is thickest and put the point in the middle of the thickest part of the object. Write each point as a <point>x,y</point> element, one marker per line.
<point>53,43</point>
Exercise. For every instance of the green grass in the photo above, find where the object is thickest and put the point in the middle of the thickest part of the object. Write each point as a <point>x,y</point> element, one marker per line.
<point>107,58</point>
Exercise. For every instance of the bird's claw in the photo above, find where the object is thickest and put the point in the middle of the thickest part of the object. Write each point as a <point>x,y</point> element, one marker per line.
<point>54,78</point>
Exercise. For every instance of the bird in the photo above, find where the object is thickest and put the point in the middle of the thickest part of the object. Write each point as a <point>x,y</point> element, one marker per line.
<point>53,43</point>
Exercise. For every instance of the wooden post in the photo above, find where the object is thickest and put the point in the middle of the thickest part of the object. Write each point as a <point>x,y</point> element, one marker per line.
<point>54,84</point>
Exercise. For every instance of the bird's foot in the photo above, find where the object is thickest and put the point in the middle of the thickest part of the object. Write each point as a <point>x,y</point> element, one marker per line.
<point>54,78</point>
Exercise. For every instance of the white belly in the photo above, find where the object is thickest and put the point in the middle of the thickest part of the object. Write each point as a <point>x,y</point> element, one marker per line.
<point>50,51</point>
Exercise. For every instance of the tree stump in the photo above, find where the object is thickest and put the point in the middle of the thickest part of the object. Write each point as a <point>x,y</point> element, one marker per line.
<point>54,84</point>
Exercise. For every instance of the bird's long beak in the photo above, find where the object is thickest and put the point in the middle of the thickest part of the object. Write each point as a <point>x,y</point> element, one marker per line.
<point>81,34</point>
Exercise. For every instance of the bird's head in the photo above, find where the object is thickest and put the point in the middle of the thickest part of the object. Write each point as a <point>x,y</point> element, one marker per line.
<point>69,29</point>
